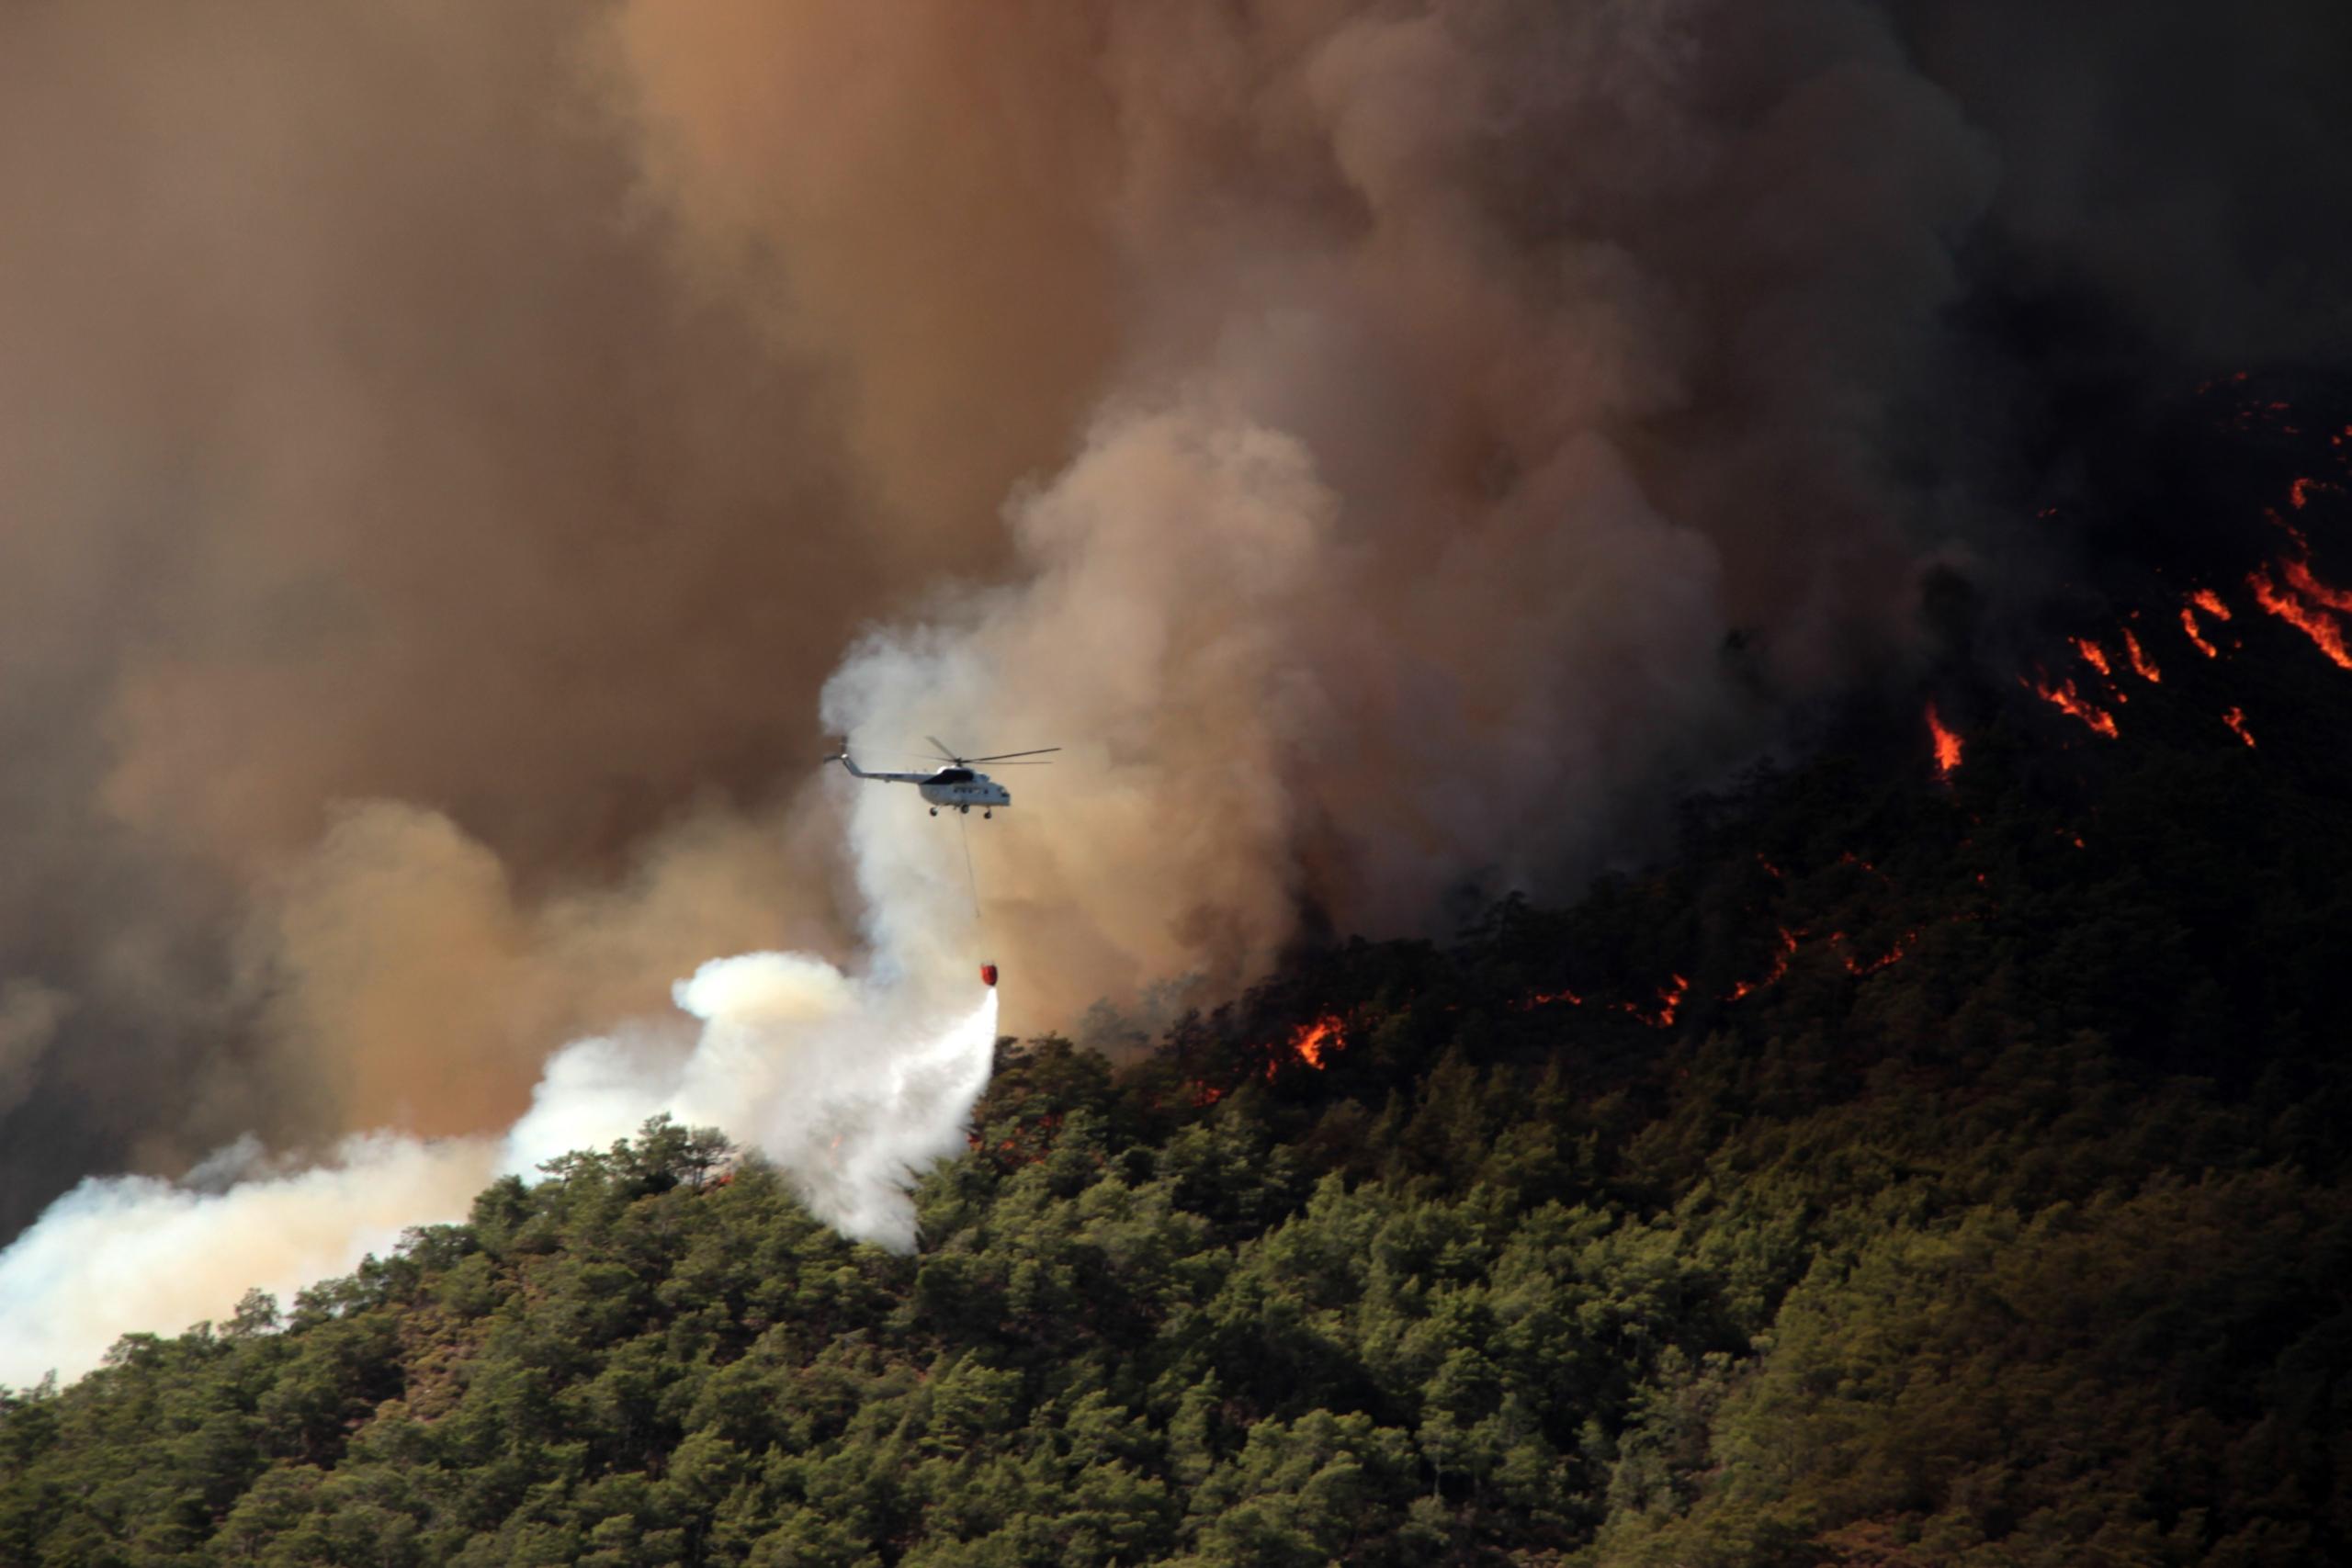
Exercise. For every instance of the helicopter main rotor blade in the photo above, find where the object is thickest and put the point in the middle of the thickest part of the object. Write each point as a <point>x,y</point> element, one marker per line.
<point>946,753</point>
<point>1000,756</point>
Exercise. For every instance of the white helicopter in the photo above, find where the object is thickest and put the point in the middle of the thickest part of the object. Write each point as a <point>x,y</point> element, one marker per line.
<point>956,786</point>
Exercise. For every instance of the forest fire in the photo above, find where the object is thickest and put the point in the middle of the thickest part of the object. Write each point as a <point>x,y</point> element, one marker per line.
<point>2188,624</point>
<point>1310,1041</point>
<point>2235,719</point>
<point>1309,1044</point>
<point>1779,968</point>
<point>1872,965</point>
<point>1947,744</point>
<point>1669,1002</point>
<point>2092,655</point>
<point>2300,579</point>
<point>1547,998</point>
<point>2141,663</point>
<point>2311,620</point>
<point>2066,699</point>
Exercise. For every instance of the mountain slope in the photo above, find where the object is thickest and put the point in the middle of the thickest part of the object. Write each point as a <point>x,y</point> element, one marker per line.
<point>1941,1161</point>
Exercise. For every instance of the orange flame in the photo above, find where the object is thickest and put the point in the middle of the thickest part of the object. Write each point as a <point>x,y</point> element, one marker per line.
<point>2210,603</point>
<point>2235,719</point>
<point>2140,660</point>
<point>1311,1039</point>
<point>2064,698</point>
<point>1669,1002</point>
<point>2313,623</point>
<point>2092,655</point>
<point>1309,1044</point>
<point>2300,493</point>
<point>2188,624</point>
<point>1779,968</point>
<point>1892,955</point>
<point>1545,998</point>
<point>2300,577</point>
<point>1947,744</point>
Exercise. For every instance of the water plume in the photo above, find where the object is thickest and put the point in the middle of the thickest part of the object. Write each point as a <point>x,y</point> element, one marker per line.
<point>849,1086</point>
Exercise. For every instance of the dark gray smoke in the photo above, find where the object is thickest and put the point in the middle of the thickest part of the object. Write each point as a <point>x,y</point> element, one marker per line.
<point>445,450</point>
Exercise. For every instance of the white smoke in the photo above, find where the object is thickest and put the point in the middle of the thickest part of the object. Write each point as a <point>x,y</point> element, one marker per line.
<point>120,1255</point>
<point>851,1087</point>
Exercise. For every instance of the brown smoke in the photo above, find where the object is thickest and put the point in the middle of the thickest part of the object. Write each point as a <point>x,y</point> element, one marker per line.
<point>445,450</point>
<point>358,440</point>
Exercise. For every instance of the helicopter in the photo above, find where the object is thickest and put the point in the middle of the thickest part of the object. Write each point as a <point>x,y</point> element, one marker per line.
<point>956,786</point>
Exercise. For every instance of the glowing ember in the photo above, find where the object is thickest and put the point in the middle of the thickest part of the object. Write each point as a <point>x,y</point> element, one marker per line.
<point>1311,1039</point>
<point>1545,998</point>
<point>1775,871</point>
<point>2235,719</point>
<point>1947,744</point>
<point>2210,603</point>
<point>2064,698</point>
<point>2312,621</point>
<point>2299,492</point>
<point>2140,662</point>
<point>2092,655</point>
<point>2188,624</point>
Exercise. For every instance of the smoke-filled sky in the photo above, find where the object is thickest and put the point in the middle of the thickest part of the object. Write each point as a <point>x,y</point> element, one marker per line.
<point>460,463</point>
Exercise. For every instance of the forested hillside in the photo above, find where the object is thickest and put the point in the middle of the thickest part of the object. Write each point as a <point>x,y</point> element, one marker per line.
<point>1925,1168</point>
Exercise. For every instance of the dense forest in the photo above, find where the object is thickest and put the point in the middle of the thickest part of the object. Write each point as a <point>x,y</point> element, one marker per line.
<point>1941,1159</point>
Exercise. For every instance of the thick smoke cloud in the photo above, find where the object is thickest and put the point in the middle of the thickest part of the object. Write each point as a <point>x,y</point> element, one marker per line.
<point>453,455</point>
<point>357,441</point>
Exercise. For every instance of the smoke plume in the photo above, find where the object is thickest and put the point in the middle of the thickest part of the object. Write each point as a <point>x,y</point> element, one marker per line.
<point>459,461</point>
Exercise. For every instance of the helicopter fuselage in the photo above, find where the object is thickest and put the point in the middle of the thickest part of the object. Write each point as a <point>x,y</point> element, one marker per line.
<point>953,788</point>
<point>963,789</point>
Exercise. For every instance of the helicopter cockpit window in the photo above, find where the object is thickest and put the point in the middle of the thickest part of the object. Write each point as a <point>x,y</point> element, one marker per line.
<point>952,775</point>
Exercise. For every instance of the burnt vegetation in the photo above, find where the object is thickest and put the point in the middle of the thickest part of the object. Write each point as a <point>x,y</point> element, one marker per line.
<point>1942,1161</point>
